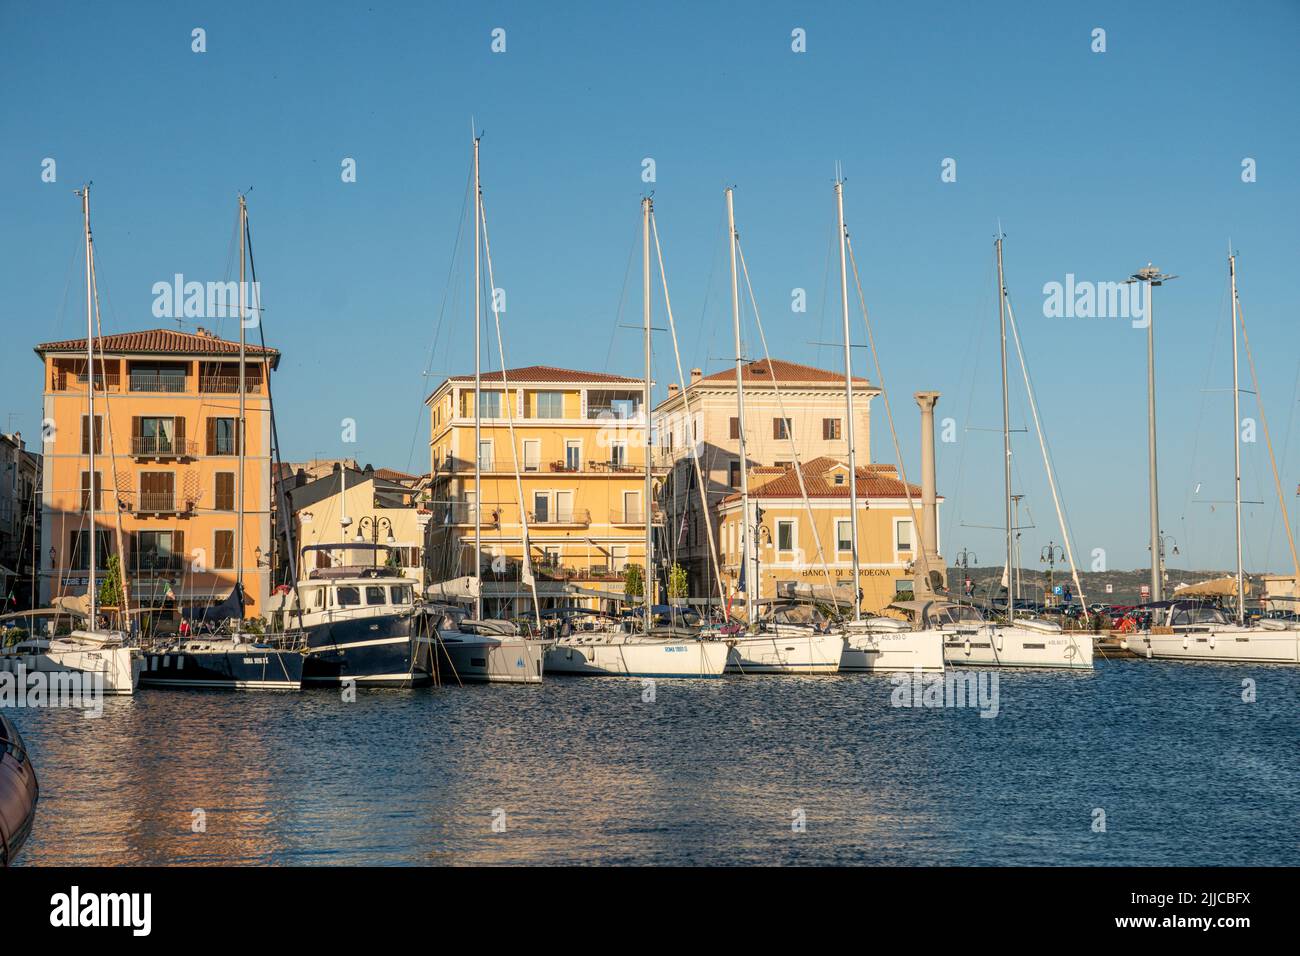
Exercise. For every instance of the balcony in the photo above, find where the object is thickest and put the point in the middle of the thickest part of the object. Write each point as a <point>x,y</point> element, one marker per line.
<point>229,384</point>
<point>161,503</point>
<point>634,516</point>
<point>460,512</point>
<point>157,382</point>
<point>161,447</point>
<point>578,517</point>
<point>62,381</point>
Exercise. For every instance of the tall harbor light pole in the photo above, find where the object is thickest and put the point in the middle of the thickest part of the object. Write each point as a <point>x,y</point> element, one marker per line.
<point>1152,277</point>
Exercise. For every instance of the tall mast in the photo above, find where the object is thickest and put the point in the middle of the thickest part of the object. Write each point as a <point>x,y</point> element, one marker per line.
<point>848,394</point>
<point>239,431</point>
<point>751,582</point>
<point>1236,441</point>
<point>478,390</point>
<point>1006,432</point>
<point>90,401</point>
<point>648,585</point>
<point>1157,579</point>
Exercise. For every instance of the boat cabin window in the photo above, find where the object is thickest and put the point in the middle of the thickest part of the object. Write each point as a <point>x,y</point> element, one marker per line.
<point>348,596</point>
<point>956,614</point>
<point>315,598</point>
<point>799,614</point>
<point>374,594</point>
<point>401,593</point>
<point>1185,616</point>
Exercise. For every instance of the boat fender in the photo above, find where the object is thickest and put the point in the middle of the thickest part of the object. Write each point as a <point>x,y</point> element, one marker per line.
<point>967,647</point>
<point>1185,642</point>
<point>999,633</point>
<point>1211,640</point>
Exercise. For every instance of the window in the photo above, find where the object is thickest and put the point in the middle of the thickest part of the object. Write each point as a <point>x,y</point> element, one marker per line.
<point>85,434</point>
<point>564,506</point>
<point>85,489</point>
<point>532,454</point>
<point>79,550</point>
<point>222,438</point>
<point>632,507</point>
<point>491,404</point>
<point>485,455</point>
<point>549,404</point>
<point>225,491</point>
<point>903,534</point>
<point>735,427</point>
<point>843,534</point>
<point>159,550</point>
<point>223,549</point>
<point>157,491</point>
<point>785,535</point>
<point>156,436</point>
<point>573,455</point>
<point>348,596</point>
<point>780,428</point>
<point>401,593</point>
<point>733,474</point>
<point>618,453</point>
<point>541,507</point>
<point>830,429</point>
<point>374,594</point>
<point>618,557</point>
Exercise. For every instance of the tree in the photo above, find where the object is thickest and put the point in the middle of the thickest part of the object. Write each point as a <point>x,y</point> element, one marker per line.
<point>678,584</point>
<point>110,588</point>
<point>633,582</point>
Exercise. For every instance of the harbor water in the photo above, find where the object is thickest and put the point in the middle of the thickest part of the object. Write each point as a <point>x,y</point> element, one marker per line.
<point>1135,763</point>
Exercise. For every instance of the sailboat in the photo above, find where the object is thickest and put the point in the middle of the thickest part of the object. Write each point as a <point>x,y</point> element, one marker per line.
<point>875,642</point>
<point>222,653</point>
<point>776,646</point>
<point>102,656</point>
<point>626,650</point>
<point>1192,630</point>
<point>447,637</point>
<point>969,638</point>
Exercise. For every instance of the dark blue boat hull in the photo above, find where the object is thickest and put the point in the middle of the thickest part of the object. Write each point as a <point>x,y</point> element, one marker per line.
<point>252,668</point>
<point>368,650</point>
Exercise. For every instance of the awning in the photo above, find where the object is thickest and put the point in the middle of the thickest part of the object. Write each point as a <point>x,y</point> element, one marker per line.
<point>1218,587</point>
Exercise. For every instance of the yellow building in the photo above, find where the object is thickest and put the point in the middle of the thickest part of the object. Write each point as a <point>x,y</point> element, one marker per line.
<point>810,543</point>
<point>166,435</point>
<point>579,449</point>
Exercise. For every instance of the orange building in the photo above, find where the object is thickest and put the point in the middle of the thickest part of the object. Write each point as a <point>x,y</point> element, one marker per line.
<point>167,463</point>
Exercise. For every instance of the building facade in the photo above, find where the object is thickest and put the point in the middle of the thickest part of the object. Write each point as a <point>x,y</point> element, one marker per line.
<point>20,532</point>
<point>360,506</point>
<point>167,482</point>
<point>564,450</point>
<point>810,543</point>
<point>791,411</point>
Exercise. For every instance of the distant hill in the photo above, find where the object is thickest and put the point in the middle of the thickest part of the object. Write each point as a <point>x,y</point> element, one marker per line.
<point>1125,585</point>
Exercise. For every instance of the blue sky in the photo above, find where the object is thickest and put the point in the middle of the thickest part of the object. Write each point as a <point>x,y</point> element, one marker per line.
<point>1095,163</point>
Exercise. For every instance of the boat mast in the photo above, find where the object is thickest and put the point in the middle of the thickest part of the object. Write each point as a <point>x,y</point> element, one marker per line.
<point>848,394</point>
<point>239,430</point>
<point>648,584</point>
<point>1236,440</point>
<point>1006,431</point>
<point>90,401</point>
<point>478,393</point>
<point>751,584</point>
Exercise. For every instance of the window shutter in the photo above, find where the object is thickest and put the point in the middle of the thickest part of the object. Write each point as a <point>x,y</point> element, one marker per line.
<point>85,434</point>
<point>735,428</point>
<point>180,435</point>
<point>178,548</point>
<point>212,436</point>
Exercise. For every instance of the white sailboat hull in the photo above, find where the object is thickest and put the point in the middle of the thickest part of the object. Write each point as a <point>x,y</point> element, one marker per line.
<point>892,651</point>
<point>115,669</point>
<point>997,646</point>
<point>638,658</point>
<point>777,653</point>
<point>1226,645</point>
<point>482,659</point>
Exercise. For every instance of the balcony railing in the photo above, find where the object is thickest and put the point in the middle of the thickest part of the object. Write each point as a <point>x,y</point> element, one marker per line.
<point>573,516</point>
<point>157,502</point>
<point>157,446</point>
<point>229,383</point>
<point>619,412</point>
<point>634,516</point>
<point>62,380</point>
<point>459,512</point>
<point>157,382</point>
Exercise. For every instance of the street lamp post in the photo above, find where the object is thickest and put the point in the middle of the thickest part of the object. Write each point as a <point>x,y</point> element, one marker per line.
<point>374,524</point>
<point>1152,277</point>
<point>1050,555</point>
<point>964,560</point>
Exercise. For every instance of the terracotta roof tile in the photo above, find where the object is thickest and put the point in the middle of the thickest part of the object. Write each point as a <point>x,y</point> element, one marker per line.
<point>874,481</point>
<point>785,373</point>
<point>545,374</point>
<point>159,342</point>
